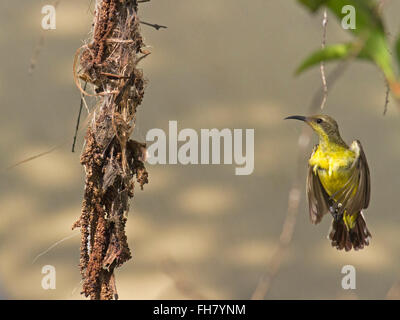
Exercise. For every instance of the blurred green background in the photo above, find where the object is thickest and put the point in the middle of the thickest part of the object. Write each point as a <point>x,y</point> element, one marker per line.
<point>195,231</point>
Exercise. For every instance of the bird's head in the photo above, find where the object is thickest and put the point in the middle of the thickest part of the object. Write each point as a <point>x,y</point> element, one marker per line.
<point>325,126</point>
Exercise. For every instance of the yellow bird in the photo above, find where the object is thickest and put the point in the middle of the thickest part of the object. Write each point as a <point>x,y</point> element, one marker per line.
<point>338,182</point>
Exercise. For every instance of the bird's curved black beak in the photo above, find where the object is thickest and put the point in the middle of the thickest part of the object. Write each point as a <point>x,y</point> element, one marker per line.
<point>301,118</point>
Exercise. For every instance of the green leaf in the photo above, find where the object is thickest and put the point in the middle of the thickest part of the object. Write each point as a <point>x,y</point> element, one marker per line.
<point>369,31</point>
<point>397,49</point>
<point>332,52</point>
<point>376,49</point>
<point>367,16</point>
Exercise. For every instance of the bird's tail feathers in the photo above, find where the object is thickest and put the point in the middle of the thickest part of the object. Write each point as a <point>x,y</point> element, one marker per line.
<point>356,238</point>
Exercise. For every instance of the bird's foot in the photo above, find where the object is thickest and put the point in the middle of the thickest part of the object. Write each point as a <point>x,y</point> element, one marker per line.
<point>335,211</point>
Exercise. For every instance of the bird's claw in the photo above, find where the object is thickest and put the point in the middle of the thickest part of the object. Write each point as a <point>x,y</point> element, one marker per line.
<point>335,211</point>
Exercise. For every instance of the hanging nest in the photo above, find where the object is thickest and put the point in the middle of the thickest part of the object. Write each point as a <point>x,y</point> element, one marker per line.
<point>112,161</point>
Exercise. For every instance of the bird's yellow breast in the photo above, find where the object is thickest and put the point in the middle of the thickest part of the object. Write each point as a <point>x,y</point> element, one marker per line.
<point>332,166</point>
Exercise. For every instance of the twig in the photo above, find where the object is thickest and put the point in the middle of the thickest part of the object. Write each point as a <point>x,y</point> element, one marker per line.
<point>380,6</point>
<point>34,157</point>
<point>54,245</point>
<point>385,107</point>
<point>78,120</point>
<point>155,26</point>
<point>322,66</point>
<point>181,281</point>
<point>50,150</point>
<point>394,291</point>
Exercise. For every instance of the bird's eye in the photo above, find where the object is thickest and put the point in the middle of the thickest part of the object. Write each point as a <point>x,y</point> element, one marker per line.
<point>319,120</point>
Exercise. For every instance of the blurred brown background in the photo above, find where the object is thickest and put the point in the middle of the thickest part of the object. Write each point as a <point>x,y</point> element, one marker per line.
<point>223,64</point>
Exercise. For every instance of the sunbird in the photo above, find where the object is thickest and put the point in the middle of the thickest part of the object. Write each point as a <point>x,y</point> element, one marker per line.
<point>338,182</point>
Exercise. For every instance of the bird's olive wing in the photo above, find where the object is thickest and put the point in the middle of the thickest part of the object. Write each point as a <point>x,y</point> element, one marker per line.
<point>355,194</point>
<point>318,199</point>
<point>363,193</point>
